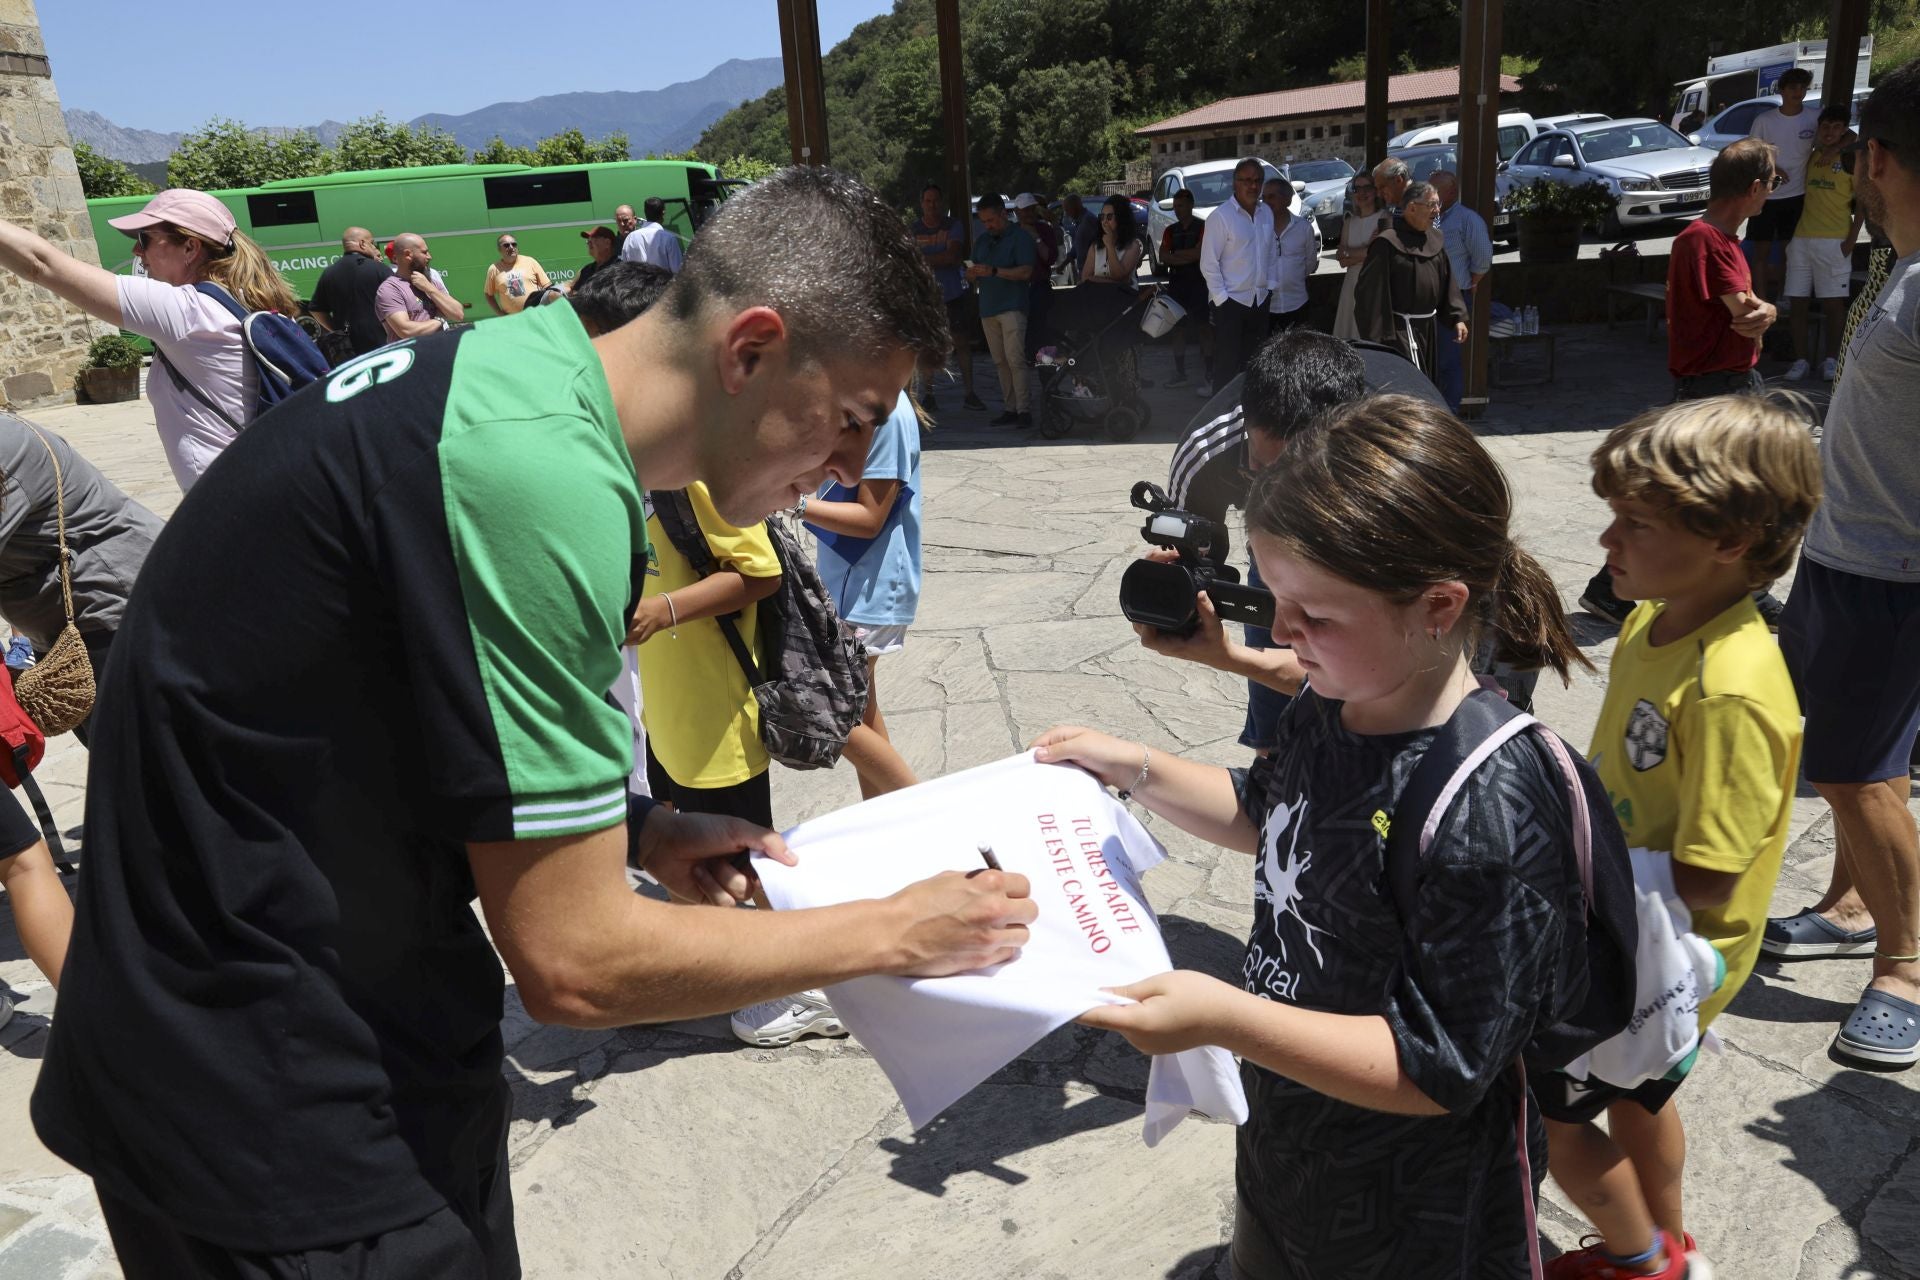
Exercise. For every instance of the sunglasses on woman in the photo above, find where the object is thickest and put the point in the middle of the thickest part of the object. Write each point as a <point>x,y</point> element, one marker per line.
<point>145,239</point>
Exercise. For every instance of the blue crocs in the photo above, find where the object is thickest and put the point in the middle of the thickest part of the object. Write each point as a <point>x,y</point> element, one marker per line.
<point>1811,936</point>
<point>1883,1030</point>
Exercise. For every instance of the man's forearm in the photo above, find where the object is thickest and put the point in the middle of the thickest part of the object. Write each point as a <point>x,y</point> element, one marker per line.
<point>449,306</point>
<point>399,325</point>
<point>659,963</point>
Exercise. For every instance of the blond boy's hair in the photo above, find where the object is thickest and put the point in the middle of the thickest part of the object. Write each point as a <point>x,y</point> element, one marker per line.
<point>1738,466</point>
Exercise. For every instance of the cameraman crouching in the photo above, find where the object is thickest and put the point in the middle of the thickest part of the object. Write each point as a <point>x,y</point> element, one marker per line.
<point>1290,381</point>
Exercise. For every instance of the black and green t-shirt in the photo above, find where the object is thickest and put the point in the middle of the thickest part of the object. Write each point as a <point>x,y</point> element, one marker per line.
<point>381,627</point>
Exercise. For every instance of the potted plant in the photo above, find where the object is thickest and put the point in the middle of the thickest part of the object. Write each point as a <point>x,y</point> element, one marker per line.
<point>112,371</point>
<point>1549,217</point>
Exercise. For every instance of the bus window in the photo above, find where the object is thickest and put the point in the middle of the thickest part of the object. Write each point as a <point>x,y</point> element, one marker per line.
<point>282,209</point>
<point>529,190</point>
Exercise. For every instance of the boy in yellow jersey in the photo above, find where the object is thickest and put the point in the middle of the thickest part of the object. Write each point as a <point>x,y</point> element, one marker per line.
<point>1820,255</point>
<point>704,753</point>
<point>1698,743</point>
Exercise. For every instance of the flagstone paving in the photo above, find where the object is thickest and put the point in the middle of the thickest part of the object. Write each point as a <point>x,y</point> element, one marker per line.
<point>675,1151</point>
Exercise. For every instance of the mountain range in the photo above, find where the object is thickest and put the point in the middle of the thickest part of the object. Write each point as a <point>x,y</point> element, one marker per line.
<point>654,120</point>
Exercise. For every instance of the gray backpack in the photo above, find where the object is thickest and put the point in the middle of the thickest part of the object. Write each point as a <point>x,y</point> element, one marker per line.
<point>810,680</point>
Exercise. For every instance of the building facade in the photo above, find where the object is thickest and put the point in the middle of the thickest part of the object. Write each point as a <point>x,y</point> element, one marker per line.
<point>42,339</point>
<point>1323,122</point>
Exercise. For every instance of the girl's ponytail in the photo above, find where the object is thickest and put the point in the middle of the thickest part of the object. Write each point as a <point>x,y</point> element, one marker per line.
<point>1528,622</point>
<point>1394,494</point>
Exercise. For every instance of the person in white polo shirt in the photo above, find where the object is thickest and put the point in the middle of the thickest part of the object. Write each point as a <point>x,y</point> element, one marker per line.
<point>1239,259</point>
<point>1296,250</point>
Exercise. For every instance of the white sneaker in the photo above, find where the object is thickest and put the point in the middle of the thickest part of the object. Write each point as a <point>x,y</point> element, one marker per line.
<point>1204,391</point>
<point>1828,368</point>
<point>1797,371</point>
<point>777,1022</point>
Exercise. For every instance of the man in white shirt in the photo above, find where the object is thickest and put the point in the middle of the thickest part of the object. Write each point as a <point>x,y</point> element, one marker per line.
<point>1296,249</point>
<point>1239,260</point>
<point>1790,127</point>
<point>651,242</point>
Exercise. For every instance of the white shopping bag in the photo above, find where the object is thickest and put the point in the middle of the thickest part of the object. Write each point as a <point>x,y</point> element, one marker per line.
<point>937,1038</point>
<point>1676,970</point>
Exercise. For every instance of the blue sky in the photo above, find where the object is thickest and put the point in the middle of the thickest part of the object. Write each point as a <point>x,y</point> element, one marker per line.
<point>173,66</point>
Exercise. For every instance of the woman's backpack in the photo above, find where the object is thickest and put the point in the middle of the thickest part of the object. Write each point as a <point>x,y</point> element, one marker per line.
<point>282,353</point>
<point>811,679</point>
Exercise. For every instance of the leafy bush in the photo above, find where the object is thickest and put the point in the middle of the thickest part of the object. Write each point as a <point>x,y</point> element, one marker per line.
<point>104,176</point>
<point>1588,201</point>
<point>113,351</point>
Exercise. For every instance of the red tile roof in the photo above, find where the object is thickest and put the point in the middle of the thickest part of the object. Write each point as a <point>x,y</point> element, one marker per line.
<point>1320,100</point>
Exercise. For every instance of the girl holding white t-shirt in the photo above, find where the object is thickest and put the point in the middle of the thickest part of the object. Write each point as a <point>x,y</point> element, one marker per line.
<point>182,238</point>
<point>1378,1044</point>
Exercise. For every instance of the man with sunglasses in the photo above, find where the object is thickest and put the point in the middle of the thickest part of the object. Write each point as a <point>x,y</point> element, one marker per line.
<point>513,279</point>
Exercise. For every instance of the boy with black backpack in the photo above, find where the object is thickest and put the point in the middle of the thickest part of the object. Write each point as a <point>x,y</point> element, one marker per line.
<point>700,612</point>
<point>1698,744</point>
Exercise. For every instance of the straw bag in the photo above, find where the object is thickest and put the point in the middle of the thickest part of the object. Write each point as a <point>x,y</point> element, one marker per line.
<point>57,691</point>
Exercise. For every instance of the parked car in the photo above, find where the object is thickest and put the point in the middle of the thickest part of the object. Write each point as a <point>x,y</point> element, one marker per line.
<point>1653,173</point>
<point>1211,183</point>
<point>1542,124</point>
<point>1514,129</point>
<point>1330,208</point>
<point>1736,122</point>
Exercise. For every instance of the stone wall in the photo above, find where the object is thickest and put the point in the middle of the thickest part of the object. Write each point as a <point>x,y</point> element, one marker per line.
<point>42,338</point>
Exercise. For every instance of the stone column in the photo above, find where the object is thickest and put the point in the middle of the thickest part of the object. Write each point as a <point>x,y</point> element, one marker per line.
<point>42,338</point>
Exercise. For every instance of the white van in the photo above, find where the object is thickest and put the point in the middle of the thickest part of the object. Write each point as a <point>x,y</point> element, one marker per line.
<point>1515,130</point>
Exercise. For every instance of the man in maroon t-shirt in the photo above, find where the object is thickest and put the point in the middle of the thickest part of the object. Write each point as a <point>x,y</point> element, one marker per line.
<point>1714,318</point>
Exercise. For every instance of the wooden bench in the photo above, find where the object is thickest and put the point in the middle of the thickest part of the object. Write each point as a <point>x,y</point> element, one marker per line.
<point>1651,296</point>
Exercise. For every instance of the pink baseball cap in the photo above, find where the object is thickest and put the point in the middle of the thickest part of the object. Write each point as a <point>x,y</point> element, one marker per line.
<point>191,211</point>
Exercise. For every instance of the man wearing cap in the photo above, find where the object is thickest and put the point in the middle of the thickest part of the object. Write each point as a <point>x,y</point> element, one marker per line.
<point>414,303</point>
<point>343,299</point>
<point>1851,628</point>
<point>602,244</point>
<point>1003,258</point>
<point>651,241</point>
<point>1046,252</point>
<point>513,279</point>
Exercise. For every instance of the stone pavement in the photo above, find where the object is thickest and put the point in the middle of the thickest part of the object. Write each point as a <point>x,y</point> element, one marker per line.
<point>674,1151</point>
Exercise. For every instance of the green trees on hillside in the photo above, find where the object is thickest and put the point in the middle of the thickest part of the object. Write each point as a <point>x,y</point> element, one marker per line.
<point>100,176</point>
<point>226,153</point>
<point>1055,88</point>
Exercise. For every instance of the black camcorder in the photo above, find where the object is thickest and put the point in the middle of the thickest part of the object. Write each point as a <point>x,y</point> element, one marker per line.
<point>1161,595</point>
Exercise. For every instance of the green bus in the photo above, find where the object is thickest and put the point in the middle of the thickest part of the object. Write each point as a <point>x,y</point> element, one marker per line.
<point>461,209</point>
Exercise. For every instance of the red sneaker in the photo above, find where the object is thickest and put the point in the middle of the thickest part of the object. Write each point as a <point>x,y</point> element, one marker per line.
<point>1590,1262</point>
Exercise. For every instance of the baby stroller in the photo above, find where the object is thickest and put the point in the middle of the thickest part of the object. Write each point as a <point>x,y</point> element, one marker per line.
<point>1092,374</point>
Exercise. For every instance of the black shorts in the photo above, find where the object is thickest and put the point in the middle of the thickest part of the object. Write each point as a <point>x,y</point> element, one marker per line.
<point>752,799</point>
<point>1571,1101</point>
<point>1849,643</point>
<point>471,1238</point>
<point>17,831</point>
<point>962,317</point>
<point>1776,220</point>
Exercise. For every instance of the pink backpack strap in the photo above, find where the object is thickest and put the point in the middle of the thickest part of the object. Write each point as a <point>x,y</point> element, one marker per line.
<point>1583,857</point>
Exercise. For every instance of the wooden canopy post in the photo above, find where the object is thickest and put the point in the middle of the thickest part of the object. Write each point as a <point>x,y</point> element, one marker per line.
<point>806,93</point>
<point>1377,69</point>
<point>1479,145</point>
<point>953,111</point>
<point>1845,29</point>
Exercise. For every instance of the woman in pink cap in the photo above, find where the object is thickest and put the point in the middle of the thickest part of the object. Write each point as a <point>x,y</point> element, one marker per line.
<point>203,385</point>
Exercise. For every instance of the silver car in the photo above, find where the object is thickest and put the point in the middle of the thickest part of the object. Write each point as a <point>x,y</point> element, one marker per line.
<point>1653,173</point>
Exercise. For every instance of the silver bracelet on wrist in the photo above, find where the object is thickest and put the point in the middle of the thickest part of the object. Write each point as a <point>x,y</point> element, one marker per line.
<point>1146,757</point>
<point>673,628</point>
